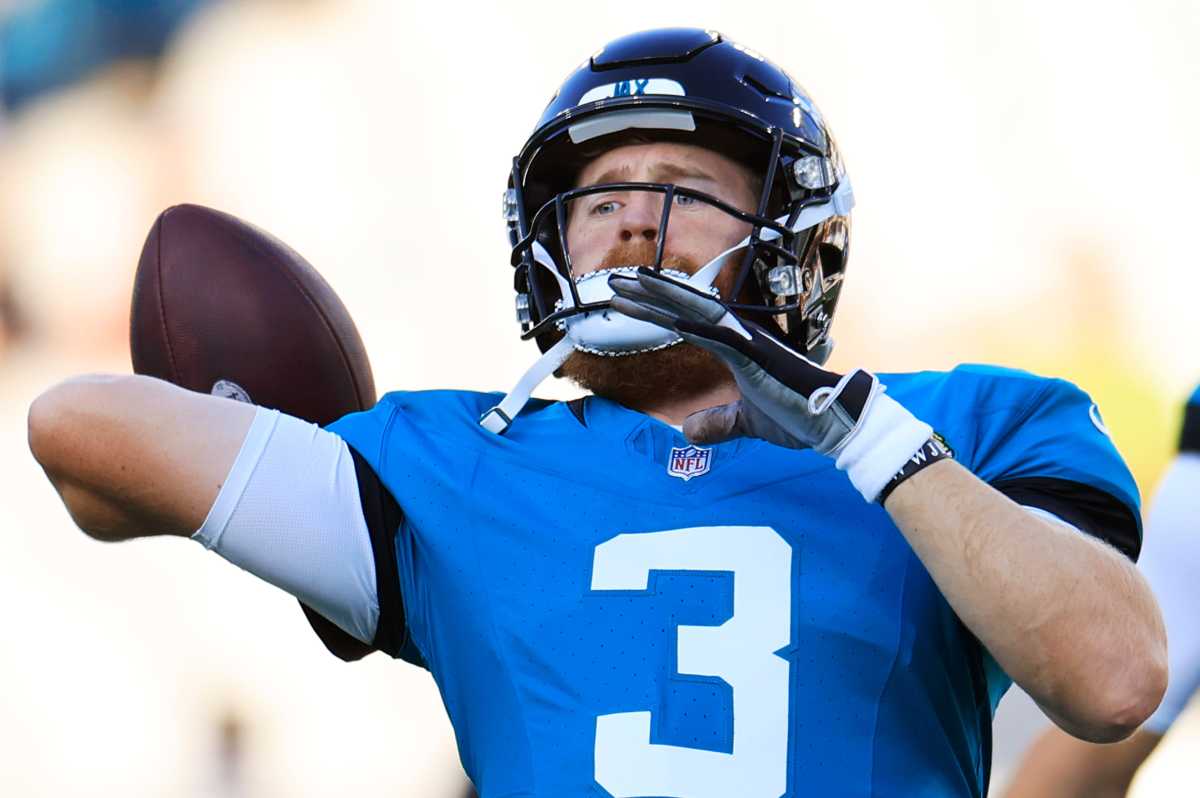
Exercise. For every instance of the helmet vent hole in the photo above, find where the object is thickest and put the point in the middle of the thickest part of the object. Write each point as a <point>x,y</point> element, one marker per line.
<point>762,88</point>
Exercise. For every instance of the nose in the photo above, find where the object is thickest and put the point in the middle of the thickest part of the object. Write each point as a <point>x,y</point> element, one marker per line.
<point>641,216</point>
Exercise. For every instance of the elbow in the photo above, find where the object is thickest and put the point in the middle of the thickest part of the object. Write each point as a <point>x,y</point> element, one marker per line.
<point>65,415</point>
<point>1127,703</point>
<point>1136,682</point>
<point>46,429</point>
<point>56,422</point>
<point>1144,695</point>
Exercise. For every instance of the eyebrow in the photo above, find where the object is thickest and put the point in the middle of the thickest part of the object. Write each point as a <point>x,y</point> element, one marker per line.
<point>660,173</point>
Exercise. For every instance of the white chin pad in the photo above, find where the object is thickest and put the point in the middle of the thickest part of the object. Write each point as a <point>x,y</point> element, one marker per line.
<point>607,332</point>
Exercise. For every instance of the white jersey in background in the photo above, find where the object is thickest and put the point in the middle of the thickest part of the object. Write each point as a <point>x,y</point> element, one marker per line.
<point>1171,562</point>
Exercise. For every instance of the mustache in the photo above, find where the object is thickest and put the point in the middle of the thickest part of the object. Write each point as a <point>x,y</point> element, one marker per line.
<point>643,253</point>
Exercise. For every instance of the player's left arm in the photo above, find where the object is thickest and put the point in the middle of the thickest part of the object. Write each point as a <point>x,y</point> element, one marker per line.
<point>1067,616</point>
<point>1058,766</point>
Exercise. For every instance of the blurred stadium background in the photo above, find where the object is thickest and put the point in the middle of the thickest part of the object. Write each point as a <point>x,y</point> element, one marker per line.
<point>1025,173</point>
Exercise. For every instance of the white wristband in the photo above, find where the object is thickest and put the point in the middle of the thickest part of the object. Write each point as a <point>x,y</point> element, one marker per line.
<point>886,437</point>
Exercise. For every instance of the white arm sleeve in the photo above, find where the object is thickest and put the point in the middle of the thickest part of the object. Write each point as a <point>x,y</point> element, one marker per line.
<point>290,513</point>
<point>1171,562</point>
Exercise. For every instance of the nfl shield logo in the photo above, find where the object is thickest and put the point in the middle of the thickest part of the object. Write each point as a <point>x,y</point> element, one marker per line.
<point>688,462</point>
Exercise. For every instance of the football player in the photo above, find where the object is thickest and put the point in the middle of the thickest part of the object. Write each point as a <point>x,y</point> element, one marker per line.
<point>726,571</point>
<point>1060,766</point>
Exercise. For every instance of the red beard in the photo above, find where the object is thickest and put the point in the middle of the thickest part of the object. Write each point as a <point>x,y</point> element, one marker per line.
<point>641,380</point>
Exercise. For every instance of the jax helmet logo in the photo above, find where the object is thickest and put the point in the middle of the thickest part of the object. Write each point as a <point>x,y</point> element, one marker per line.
<point>688,462</point>
<point>636,87</point>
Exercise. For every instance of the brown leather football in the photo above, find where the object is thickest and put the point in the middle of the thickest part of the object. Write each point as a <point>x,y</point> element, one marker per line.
<point>222,307</point>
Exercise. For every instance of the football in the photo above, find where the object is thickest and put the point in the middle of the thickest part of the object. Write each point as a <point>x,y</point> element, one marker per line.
<point>222,307</point>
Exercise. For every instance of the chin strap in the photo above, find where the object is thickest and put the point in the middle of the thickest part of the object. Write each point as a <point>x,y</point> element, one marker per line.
<point>499,418</point>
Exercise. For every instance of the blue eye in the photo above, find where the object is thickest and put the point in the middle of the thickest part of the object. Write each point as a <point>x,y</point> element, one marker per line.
<point>604,208</point>
<point>684,200</point>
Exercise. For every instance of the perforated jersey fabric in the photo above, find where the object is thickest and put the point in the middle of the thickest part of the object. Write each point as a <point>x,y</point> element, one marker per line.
<point>608,610</point>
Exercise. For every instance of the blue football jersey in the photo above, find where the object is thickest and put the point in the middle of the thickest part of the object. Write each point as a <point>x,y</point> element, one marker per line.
<point>609,611</point>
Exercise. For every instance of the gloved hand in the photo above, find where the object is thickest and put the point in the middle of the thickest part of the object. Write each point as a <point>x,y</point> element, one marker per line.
<point>786,398</point>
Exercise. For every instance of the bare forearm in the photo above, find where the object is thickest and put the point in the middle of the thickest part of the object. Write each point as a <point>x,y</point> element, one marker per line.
<point>1068,618</point>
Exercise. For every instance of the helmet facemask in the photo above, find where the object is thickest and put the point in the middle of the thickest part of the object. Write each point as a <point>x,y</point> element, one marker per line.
<point>574,299</point>
<point>779,274</point>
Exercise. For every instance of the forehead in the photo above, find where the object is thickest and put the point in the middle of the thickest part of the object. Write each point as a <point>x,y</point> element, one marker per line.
<point>644,161</point>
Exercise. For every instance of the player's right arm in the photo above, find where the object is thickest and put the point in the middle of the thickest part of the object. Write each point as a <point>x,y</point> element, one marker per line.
<point>133,456</point>
<point>277,496</point>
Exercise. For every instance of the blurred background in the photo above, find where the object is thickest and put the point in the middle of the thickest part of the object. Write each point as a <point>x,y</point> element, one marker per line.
<point>1024,172</point>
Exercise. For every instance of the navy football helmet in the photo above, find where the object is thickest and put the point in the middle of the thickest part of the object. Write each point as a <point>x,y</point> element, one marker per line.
<point>696,87</point>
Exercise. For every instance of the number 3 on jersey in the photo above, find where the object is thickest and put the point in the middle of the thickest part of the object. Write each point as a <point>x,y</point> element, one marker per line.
<point>741,651</point>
